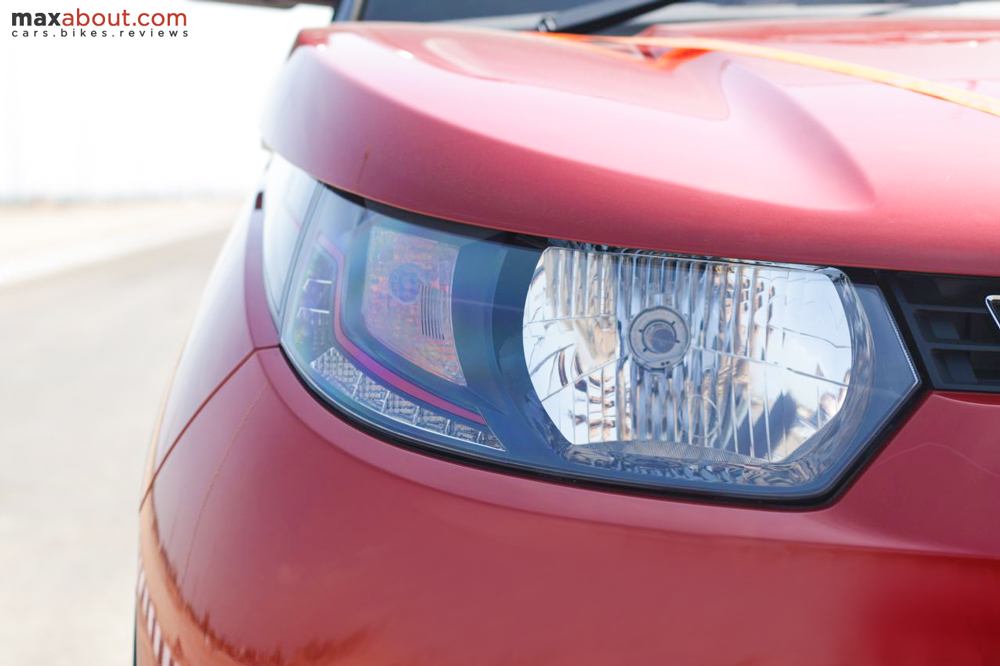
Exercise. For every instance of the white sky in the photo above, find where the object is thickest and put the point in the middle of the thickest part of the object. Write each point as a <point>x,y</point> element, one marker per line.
<point>124,118</point>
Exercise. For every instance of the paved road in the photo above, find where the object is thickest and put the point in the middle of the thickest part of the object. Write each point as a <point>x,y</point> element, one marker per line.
<point>85,357</point>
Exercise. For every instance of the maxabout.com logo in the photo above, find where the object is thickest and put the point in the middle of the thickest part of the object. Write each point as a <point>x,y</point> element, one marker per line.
<point>83,25</point>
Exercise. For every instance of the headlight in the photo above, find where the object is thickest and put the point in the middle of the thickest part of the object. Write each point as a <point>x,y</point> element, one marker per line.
<point>627,367</point>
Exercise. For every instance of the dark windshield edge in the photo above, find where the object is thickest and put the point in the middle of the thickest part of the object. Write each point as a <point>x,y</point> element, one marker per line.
<point>599,15</point>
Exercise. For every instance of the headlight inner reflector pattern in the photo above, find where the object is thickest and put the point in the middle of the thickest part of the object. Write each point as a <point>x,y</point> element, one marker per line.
<point>716,367</point>
<point>317,341</point>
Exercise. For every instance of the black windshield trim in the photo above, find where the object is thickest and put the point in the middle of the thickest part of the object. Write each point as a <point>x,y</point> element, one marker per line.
<point>600,15</point>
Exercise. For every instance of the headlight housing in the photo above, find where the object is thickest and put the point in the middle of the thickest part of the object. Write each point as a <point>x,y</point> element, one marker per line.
<point>633,368</point>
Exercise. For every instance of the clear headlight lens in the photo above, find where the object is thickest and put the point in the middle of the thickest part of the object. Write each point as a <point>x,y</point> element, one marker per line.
<point>407,299</point>
<point>635,368</point>
<point>723,369</point>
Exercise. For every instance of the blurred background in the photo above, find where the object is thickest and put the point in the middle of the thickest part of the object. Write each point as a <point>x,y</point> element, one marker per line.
<point>122,164</point>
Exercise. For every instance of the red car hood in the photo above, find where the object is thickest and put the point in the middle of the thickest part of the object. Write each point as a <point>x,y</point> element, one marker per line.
<point>717,154</point>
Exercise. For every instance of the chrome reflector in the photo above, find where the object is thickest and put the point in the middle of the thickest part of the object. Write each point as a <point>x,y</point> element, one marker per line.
<point>646,356</point>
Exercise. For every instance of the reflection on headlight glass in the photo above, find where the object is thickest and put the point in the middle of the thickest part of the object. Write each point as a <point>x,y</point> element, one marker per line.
<point>644,357</point>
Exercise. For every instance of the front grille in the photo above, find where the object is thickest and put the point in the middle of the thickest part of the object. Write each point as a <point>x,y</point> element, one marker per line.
<point>953,329</point>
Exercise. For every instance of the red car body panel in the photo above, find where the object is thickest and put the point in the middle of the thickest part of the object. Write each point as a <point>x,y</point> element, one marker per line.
<point>276,532</point>
<point>722,155</point>
<point>232,321</point>
<point>263,537</point>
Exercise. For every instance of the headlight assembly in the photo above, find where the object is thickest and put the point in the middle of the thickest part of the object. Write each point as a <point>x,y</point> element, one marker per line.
<point>633,368</point>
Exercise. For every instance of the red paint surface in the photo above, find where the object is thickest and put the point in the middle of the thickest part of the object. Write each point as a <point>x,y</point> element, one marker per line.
<point>268,537</point>
<point>276,533</point>
<point>233,319</point>
<point>721,155</point>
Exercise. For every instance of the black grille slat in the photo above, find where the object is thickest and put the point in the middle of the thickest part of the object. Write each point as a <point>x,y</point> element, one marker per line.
<point>926,307</point>
<point>963,347</point>
<point>955,334</point>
